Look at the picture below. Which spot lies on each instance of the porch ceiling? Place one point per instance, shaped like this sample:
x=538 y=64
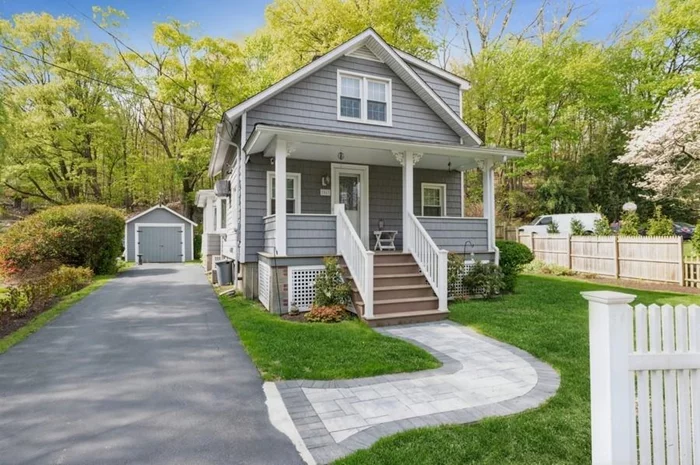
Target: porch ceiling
x=325 y=146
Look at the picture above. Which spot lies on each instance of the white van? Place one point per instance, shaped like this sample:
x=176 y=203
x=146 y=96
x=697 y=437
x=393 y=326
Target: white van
x=540 y=224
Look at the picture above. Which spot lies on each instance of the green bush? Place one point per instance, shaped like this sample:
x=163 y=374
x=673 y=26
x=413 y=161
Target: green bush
x=553 y=228
x=455 y=269
x=330 y=314
x=14 y=301
x=484 y=279
x=331 y=290
x=513 y=256
x=629 y=225
x=601 y=226
x=67 y=279
x=540 y=267
x=82 y=235
x=577 y=228
x=659 y=224
x=695 y=240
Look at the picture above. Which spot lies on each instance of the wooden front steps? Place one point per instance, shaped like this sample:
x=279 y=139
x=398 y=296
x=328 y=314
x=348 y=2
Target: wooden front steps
x=401 y=293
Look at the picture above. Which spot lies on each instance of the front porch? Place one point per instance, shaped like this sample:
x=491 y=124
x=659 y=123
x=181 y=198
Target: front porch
x=341 y=190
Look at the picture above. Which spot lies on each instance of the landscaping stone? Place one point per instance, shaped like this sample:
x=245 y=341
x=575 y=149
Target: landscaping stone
x=480 y=377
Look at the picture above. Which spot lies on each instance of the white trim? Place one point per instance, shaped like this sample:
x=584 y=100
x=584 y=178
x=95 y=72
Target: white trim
x=163 y=207
x=357 y=54
x=443 y=194
x=126 y=243
x=364 y=80
x=192 y=246
x=221 y=228
x=162 y=225
x=290 y=282
x=297 y=192
x=436 y=70
x=363 y=171
x=371 y=39
x=239 y=253
x=461 y=188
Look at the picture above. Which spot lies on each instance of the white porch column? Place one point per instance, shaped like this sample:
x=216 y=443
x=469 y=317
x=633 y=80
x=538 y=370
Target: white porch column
x=407 y=195
x=489 y=198
x=281 y=196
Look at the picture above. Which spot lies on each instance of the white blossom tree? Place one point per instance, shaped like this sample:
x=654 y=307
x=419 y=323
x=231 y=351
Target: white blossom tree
x=670 y=148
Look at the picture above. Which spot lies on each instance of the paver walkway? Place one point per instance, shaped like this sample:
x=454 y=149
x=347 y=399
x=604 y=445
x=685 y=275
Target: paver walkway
x=145 y=370
x=480 y=377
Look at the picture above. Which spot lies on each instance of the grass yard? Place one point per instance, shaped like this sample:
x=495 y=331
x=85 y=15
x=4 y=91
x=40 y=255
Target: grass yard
x=548 y=318
x=289 y=350
x=50 y=314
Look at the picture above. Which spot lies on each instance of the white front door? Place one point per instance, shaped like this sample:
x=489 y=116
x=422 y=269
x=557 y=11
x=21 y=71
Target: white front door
x=349 y=186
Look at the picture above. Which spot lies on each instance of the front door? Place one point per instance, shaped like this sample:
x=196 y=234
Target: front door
x=349 y=187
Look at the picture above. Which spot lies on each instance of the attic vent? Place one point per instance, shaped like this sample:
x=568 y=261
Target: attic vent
x=365 y=54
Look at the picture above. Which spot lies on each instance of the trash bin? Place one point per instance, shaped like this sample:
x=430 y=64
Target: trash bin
x=223 y=272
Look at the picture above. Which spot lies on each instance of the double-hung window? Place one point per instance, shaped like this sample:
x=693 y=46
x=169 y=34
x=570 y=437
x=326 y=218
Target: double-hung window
x=433 y=199
x=223 y=211
x=293 y=193
x=365 y=99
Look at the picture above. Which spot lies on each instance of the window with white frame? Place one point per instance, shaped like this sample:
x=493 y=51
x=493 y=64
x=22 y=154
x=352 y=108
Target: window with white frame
x=214 y=215
x=293 y=192
x=433 y=199
x=364 y=98
x=223 y=211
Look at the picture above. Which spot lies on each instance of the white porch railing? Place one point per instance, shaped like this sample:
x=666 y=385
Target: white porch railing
x=431 y=260
x=359 y=261
x=645 y=381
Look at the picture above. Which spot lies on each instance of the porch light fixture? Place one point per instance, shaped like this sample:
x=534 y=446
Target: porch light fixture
x=325 y=180
x=341 y=156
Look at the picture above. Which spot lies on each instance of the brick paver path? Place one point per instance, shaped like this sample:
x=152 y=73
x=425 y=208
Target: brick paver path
x=480 y=377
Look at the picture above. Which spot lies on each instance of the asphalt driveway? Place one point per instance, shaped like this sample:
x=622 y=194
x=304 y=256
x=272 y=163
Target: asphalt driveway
x=146 y=370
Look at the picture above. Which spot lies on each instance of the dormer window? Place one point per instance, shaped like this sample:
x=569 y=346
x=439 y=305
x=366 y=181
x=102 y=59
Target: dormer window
x=363 y=98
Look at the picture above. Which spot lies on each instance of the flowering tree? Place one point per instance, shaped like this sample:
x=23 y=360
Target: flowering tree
x=670 y=148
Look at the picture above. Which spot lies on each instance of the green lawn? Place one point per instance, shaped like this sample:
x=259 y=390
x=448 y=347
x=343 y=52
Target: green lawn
x=49 y=315
x=546 y=317
x=290 y=350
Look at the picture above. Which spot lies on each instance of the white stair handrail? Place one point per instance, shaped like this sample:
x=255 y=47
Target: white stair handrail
x=360 y=262
x=430 y=258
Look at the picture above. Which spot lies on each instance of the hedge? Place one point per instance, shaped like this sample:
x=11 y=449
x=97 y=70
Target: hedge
x=82 y=235
x=513 y=256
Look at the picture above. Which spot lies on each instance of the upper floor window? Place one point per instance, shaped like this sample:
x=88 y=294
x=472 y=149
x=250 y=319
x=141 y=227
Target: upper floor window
x=363 y=98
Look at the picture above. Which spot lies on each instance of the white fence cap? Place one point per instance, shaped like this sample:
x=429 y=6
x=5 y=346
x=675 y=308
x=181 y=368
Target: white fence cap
x=608 y=297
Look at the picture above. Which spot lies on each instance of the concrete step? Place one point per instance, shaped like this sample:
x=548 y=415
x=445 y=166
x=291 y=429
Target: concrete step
x=405 y=318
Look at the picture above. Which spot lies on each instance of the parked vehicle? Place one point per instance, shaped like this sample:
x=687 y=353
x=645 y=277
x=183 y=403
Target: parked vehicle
x=685 y=230
x=540 y=224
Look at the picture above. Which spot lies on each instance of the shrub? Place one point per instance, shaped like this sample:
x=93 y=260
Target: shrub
x=77 y=235
x=327 y=314
x=659 y=224
x=331 y=290
x=577 y=228
x=455 y=270
x=66 y=279
x=553 y=228
x=540 y=267
x=484 y=279
x=14 y=301
x=513 y=256
x=629 y=225
x=601 y=226
x=695 y=240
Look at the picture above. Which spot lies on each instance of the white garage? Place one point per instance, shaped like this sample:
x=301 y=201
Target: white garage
x=159 y=235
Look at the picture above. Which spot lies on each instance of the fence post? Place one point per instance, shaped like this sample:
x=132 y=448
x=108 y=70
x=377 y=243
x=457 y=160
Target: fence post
x=681 y=278
x=532 y=243
x=613 y=420
x=616 y=256
x=568 y=252
x=442 y=280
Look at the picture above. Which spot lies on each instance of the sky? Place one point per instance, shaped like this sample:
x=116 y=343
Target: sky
x=234 y=19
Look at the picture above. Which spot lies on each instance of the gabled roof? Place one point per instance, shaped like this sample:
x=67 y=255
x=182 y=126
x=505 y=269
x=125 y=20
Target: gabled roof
x=431 y=68
x=370 y=39
x=162 y=207
x=202 y=195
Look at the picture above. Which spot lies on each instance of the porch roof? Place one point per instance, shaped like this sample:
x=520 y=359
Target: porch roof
x=326 y=145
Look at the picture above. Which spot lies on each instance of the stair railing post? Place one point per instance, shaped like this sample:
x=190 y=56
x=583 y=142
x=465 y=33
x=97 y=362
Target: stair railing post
x=442 y=280
x=369 y=284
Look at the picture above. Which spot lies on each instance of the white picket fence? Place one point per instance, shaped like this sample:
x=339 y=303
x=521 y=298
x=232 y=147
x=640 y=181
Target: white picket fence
x=645 y=381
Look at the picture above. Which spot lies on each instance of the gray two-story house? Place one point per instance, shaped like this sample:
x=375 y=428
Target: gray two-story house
x=359 y=154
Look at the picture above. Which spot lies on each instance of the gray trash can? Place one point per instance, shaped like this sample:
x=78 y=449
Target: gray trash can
x=223 y=272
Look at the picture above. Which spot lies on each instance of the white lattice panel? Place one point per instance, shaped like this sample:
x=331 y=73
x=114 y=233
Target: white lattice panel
x=302 y=282
x=264 y=284
x=459 y=292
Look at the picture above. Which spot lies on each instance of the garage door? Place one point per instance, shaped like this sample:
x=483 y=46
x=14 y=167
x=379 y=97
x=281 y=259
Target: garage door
x=160 y=244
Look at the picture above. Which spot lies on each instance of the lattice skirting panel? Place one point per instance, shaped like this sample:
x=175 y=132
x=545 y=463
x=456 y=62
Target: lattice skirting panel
x=264 y=284
x=302 y=282
x=458 y=291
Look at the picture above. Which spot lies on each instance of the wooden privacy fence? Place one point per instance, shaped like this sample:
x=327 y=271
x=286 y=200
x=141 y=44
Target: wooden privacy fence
x=658 y=258
x=691 y=272
x=505 y=232
x=645 y=381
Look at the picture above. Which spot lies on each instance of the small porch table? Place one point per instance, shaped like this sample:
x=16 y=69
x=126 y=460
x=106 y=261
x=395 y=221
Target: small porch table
x=385 y=240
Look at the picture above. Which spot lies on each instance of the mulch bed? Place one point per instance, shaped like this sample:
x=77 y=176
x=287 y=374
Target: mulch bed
x=9 y=323
x=298 y=318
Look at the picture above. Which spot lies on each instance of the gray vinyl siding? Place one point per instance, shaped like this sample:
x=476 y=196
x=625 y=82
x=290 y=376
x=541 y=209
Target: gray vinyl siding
x=385 y=199
x=312 y=104
x=446 y=90
x=452 y=233
x=159 y=216
x=311 y=235
x=269 y=227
